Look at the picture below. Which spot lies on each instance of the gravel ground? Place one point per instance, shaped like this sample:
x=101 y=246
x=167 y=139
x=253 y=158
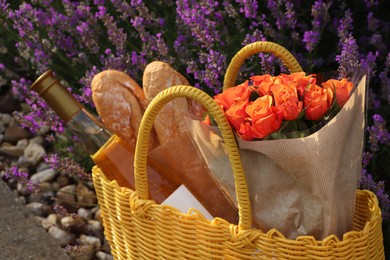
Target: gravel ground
x=21 y=235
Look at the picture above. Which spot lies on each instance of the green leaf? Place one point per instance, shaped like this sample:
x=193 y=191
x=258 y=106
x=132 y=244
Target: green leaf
x=302 y=113
x=277 y=136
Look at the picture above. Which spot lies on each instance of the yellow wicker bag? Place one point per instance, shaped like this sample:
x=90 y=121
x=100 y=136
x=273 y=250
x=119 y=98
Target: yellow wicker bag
x=139 y=228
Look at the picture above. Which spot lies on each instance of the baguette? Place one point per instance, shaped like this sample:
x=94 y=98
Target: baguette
x=120 y=102
x=176 y=150
x=169 y=123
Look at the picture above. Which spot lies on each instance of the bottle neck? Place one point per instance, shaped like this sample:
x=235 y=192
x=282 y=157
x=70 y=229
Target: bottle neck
x=89 y=130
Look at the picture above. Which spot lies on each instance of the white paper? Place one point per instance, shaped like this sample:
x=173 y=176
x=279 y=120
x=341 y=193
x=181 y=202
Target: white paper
x=183 y=200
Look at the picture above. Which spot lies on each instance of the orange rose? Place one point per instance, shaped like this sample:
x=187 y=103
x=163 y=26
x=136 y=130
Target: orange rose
x=343 y=89
x=262 y=84
x=264 y=117
x=231 y=95
x=301 y=81
x=317 y=100
x=286 y=99
x=248 y=132
x=236 y=114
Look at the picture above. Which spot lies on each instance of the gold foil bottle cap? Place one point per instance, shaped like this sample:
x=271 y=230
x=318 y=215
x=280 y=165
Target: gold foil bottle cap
x=56 y=96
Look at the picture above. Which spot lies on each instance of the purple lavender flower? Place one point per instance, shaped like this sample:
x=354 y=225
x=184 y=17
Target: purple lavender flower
x=368 y=64
x=311 y=39
x=62 y=211
x=291 y=21
x=248 y=8
x=215 y=63
x=4 y=6
x=348 y=59
x=319 y=12
x=371 y=3
x=385 y=80
x=14 y=174
x=255 y=36
x=66 y=166
x=40 y=115
x=195 y=16
x=30 y=46
x=367 y=182
x=231 y=12
x=275 y=8
x=378 y=133
x=345 y=27
x=372 y=22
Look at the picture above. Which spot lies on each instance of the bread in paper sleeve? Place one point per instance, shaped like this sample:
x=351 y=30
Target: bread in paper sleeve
x=176 y=149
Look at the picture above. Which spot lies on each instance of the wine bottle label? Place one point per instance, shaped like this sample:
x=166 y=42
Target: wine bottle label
x=183 y=200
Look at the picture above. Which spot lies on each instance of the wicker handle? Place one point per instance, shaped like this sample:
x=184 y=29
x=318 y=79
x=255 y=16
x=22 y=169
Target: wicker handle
x=141 y=179
x=232 y=71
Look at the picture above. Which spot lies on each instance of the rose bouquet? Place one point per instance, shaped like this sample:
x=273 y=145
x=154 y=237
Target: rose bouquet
x=282 y=106
x=300 y=138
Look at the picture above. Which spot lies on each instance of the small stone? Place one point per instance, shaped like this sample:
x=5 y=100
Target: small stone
x=34 y=197
x=63 y=237
x=44 y=130
x=95 y=225
x=84 y=213
x=50 y=221
x=45 y=186
x=11 y=150
x=94 y=210
x=22 y=189
x=106 y=245
x=44 y=176
x=39 y=219
x=42 y=166
x=37 y=140
x=21 y=200
x=98 y=216
x=67 y=194
x=22 y=161
x=85 y=195
x=90 y=240
x=8 y=104
x=34 y=153
x=55 y=185
x=6 y=119
x=70 y=222
x=36 y=208
x=48 y=196
x=103 y=256
x=15 y=150
x=94 y=228
x=2 y=127
x=63 y=180
x=81 y=252
x=15 y=133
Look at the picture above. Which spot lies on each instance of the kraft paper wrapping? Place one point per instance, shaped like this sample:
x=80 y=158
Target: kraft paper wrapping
x=301 y=186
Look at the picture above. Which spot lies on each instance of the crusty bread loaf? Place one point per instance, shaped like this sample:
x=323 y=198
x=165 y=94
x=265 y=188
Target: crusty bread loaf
x=120 y=102
x=157 y=77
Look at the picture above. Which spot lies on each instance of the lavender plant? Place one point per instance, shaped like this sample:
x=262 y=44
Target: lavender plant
x=78 y=39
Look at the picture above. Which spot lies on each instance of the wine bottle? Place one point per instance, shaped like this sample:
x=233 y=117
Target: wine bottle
x=114 y=156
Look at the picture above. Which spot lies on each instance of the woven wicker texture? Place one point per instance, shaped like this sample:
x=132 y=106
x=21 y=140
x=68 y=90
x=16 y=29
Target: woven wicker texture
x=138 y=228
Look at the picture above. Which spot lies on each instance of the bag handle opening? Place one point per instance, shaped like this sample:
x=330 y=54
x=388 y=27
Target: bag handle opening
x=263 y=46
